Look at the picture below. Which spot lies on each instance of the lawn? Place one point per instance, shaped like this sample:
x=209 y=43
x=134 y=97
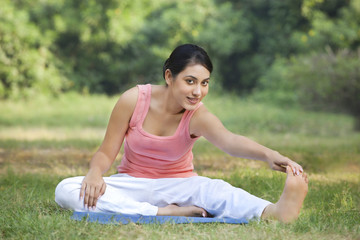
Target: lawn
x=45 y=140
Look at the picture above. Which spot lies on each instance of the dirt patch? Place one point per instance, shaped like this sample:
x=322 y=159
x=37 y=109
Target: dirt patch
x=43 y=133
x=72 y=162
x=51 y=161
x=223 y=165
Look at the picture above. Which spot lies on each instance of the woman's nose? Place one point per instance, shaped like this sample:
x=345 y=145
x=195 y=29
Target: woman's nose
x=197 y=91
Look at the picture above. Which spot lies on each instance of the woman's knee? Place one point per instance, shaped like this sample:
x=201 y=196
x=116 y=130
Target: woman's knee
x=67 y=193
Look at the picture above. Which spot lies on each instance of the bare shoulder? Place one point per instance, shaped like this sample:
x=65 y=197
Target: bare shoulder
x=201 y=113
x=128 y=99
x=125 y=106
x=202 y=121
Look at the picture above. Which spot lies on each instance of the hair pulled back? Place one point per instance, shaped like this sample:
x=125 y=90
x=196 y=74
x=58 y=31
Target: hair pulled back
x=184 y=55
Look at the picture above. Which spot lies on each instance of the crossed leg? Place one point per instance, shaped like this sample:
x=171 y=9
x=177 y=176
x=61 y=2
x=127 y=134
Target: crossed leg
x=116 y=198
x=174 y=210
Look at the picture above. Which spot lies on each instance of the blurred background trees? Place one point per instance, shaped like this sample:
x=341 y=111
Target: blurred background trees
x=286 y=51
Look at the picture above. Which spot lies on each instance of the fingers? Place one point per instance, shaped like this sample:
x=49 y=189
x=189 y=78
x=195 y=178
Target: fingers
x=279 y=168
x=290 y=167
x=91 y=194
x=86 y=196
x=82 y=190
x=279 y=162
x=289 y=170
x=102 y=190
x=91 y=197
x=295 y=167
x=98 y=193
x=84 y=193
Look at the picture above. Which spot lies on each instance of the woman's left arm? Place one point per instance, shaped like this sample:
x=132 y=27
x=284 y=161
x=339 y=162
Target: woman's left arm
x=206 y=124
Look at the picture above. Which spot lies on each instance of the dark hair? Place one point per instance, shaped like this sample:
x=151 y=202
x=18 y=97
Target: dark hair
x=184 y=55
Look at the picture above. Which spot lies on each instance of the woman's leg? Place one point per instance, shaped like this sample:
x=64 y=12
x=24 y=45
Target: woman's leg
x=175 y=210
x=288 y=207
x=217 y=197
x=122 y=195
x=220 y=199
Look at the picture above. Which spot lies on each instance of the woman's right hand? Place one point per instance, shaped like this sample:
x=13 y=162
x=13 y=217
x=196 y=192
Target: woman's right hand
x=92 y=188
x=93 y=185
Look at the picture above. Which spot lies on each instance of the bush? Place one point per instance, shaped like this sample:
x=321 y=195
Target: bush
x=27 y=65
x=276 y=87
x=321 y=81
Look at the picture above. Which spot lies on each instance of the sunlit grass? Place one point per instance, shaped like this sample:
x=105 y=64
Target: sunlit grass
x=330 y=212
x=68 y=110
x=239 y=115
x=45 y=140
x=246 y=116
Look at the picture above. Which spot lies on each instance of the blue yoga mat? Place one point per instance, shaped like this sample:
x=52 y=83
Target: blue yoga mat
x=115 y=218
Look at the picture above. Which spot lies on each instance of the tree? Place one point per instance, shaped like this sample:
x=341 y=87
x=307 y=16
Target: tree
x=27 y=67
x=271 y=25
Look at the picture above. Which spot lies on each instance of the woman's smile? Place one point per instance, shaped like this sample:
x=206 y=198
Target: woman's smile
x=193 y=101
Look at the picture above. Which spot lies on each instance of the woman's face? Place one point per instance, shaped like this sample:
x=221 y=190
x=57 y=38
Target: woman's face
x=190 y=86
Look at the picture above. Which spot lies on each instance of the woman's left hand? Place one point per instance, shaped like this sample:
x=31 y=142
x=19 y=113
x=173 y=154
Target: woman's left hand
x=278 y=162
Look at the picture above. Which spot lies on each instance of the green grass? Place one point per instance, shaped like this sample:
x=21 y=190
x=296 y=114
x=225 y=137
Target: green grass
x=28 y=211
x=70 y=110
x=45 y=140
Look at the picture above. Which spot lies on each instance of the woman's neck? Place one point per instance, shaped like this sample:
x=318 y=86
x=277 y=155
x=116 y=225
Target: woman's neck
x=167 y=102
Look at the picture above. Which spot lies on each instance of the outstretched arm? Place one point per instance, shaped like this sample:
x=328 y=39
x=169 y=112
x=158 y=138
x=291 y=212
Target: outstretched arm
x=206 y=124
x=93 y=185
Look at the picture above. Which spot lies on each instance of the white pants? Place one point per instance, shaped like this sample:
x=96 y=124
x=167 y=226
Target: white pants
x=130 y=195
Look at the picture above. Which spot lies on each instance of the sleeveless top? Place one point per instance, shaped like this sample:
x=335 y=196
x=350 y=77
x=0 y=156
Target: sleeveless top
x=150 y=156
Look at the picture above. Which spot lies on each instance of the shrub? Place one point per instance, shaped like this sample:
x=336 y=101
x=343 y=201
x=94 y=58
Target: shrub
x=320 y=81
x=329 y=81
x=27 y=65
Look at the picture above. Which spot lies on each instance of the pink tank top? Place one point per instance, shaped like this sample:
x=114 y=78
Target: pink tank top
x=150 y=156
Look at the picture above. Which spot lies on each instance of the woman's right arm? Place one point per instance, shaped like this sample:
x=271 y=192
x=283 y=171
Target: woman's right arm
x=93 y=185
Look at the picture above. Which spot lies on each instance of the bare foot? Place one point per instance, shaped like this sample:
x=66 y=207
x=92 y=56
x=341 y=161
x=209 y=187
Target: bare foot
x=174 y=210
x=288 y=207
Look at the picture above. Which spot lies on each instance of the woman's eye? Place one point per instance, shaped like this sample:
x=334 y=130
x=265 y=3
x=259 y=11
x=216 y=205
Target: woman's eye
x=205 y=83
x=189 y=81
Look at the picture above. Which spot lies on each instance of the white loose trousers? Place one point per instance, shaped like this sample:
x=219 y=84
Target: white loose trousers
x=129 y=195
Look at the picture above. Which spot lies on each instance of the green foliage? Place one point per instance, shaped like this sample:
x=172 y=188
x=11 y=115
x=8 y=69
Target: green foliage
x=48 y=47
x=328 y=80
x=317 y=80
x=216 y=27
x=28 y=67
x=271 y=24
x=332 y=23
x=320 y=81
x=276 y=87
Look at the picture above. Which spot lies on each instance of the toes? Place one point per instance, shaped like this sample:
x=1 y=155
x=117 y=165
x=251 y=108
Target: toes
x=289 y=170
x=305 y=177
x=204 y=213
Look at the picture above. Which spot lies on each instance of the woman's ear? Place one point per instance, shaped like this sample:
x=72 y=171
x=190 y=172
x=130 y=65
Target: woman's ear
x=168 y=77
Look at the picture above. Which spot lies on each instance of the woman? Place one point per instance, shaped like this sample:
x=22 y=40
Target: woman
x=160 y=125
